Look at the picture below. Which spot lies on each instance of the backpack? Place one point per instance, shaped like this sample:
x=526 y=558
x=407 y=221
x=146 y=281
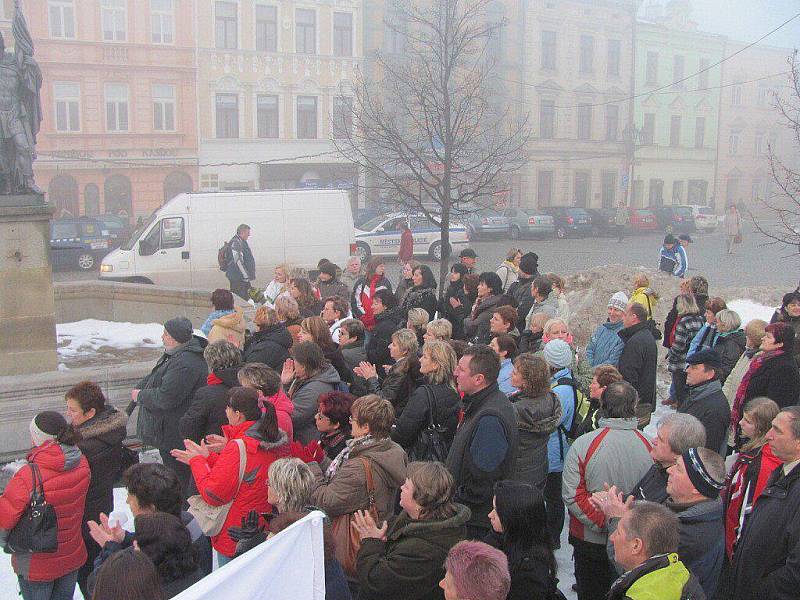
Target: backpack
x=580 y=406
x=224 y=256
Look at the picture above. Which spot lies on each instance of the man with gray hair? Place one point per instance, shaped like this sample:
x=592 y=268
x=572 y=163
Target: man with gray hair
x=241 y=267
x=766 y=561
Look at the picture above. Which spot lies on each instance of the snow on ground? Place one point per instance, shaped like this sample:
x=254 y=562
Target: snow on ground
x=749 y=310
x=89 y=335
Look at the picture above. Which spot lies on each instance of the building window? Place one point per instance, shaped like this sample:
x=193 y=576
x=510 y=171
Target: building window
x=306 y=117
x=266 y=28
x=609 y=189
x=614 y=55
x=547 y=119
x=763 y=94
x=164 y=107
x=651 y=68
x=733 y=143
x=582 y=187
x=648 y=129
x=585 y=64
x=394 y=35
x=756 y=190
x=699 y=132
x=696 y=192
x=736 y=95
x=162 y=21
x=549 y=50
x=227 y=109
x=267 y=115
x=677 y=192
x=612 y=122
x=305 y=31
x=342 y=124
x=116 y=107
x=758 y=144
x=62 y=19
x=584 y=121
x=702 y=81
x=656 y=197
x=342 y=34
x=67 y=98
x=544 y=188
x=678 y=71
x=226 y=25
x=675 y=131
x=113 y=16
x=732 y=190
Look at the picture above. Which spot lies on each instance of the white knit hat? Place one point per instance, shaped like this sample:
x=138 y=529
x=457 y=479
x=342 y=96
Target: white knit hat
x=618 y=301
x=558 y=354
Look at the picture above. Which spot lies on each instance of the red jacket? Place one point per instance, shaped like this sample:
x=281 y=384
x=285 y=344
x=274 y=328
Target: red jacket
x=65 y=472
x=406 y=251
x=283 y=409
x=746 y=481
x=217 y=477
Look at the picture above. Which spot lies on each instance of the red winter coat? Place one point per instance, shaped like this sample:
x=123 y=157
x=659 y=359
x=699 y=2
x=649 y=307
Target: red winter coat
x=217 y=477
x=406 y=251
x=746 y=481
x=65 y=472
x=283 y=410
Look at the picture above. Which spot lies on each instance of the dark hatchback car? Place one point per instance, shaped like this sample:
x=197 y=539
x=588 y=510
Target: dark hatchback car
x=118 y=229
x=569 y=220
x=603 y=220
x=79 y=242
x=675 y=219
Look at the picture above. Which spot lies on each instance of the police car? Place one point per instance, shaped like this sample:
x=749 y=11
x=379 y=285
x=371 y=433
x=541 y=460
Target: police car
x=381 y=236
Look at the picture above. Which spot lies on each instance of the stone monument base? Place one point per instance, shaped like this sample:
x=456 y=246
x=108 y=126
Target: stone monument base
x=27 y=310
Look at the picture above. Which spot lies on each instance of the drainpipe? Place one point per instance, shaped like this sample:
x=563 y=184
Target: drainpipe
x=717 y=201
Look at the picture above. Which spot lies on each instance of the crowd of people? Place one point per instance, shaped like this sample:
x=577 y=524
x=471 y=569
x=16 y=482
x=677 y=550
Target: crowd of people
x=449 y=442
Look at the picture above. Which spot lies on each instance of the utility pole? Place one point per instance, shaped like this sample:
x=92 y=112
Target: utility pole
x=630 y=141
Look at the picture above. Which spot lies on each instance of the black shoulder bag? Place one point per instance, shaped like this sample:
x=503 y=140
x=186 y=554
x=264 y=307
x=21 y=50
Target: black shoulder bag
x=37 y=529
x=431 y=445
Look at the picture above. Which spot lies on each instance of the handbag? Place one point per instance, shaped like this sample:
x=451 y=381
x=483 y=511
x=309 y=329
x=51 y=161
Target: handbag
x=431 y=444
x=347 y=540
x=212 y=518
x=37 y=529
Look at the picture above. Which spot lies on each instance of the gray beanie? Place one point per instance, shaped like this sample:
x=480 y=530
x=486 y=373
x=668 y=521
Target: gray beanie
x=180 y=328
x=558 y=354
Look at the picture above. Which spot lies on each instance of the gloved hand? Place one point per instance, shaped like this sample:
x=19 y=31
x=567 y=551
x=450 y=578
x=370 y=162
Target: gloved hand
x=251 y=527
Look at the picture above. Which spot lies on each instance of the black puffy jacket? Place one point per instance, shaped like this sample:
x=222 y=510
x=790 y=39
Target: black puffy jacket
x=417 y=415
x=206 y=415
x=269 y=346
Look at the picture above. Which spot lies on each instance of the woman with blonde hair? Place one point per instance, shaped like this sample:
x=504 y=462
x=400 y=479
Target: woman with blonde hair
x=289 y=482
x=271 y=343
x=754 y=332
x=643 y=294
x=278 y=286
x=559 y=290
x=688 y=322
x=417 y=319
x=315 y=329
x=436 y=401
x=438 y=329
x=288 y=313
x=508 y=271
x=401 y=378
x=406 y=280
x=731 y=342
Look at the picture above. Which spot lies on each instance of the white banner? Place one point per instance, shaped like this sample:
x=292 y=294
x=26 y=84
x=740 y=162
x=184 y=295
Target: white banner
x=288 y=566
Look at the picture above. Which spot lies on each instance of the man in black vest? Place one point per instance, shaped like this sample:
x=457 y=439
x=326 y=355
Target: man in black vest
x=484 y=449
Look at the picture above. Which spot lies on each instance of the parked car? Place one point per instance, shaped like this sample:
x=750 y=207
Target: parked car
x=381 y=236
x=675 y=219
x=569 y=220
x=528 y=223
x=643 y=220
x=78 y=242
x=486 y=222
x=603 y=220
x=118 y=228
x=705 y=219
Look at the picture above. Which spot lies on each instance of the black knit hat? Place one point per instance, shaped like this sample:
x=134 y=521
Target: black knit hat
x=699 y=476
x=529 y=263
x=50 y=422
x=180 y=329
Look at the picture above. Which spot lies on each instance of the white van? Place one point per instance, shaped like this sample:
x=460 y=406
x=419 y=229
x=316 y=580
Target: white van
x=177 y=246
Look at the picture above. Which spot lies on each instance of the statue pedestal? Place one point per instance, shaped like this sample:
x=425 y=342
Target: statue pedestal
x=27 y=310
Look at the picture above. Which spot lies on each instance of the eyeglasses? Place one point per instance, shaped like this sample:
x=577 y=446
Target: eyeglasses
x=321 y=416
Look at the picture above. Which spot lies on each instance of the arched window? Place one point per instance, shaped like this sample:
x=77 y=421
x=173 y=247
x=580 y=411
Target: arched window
x=63 y=192
x=91 y=199
x=176 y=183
x=118 y=197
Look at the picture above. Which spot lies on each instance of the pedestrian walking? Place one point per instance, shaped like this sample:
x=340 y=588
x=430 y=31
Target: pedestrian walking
x=621 y=220
x=406 y=251
x=733 y=227
x=241 y=267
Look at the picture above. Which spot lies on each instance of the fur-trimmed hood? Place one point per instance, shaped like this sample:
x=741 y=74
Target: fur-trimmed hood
x=107 y=424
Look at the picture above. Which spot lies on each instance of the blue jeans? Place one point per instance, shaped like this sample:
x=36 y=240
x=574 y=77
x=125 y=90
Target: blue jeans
x=222 y=560
x=62 y=588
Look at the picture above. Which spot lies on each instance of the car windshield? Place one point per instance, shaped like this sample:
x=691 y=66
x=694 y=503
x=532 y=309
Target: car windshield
x=683 y=211
x=372 y=223
x=139 y=230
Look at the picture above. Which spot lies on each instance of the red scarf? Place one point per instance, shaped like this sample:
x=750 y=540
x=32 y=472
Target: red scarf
x=213 y=379
x=738 y=401
x=368 y=318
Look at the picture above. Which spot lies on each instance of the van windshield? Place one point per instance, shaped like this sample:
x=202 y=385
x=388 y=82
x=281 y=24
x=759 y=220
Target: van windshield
x=136 y=234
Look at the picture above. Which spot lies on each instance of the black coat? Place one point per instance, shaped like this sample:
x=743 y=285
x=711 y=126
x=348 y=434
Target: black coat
x=455 y=315
x=397 y=386
x=653 y=486
x=520 y=291
x=777 y=379
x=206 y=415
x=167 y=392
x=334 y=356
x=417 y=415
x=730 y=349
x=420 y=298
x=530 y=576
x=101 y=444
x=708 y=403
x=766 y=562
x=386 y=323
x=269 y=346
x=639 y=360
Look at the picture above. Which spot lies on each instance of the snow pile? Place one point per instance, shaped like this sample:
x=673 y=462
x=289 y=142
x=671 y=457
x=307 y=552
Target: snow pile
x=90 y=335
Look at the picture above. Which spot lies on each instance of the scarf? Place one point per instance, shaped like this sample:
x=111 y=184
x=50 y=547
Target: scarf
x=368 y=318
x=345 y=454
x=212 y=379
x=741 y=391
x=331 y=439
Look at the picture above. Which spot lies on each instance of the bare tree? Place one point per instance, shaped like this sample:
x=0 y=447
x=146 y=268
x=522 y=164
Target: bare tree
x=782 y=225
x=428 y=130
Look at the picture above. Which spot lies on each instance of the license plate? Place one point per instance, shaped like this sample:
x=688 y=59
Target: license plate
x=99 y=245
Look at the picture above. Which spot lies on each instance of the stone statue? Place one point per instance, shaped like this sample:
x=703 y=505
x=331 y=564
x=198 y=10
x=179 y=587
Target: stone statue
x=20 y=110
